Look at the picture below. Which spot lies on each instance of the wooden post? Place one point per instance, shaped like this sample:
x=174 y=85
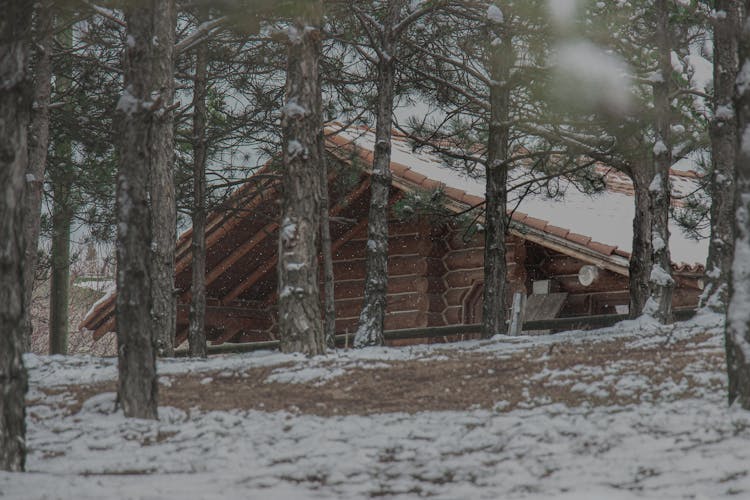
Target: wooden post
x=517 y=313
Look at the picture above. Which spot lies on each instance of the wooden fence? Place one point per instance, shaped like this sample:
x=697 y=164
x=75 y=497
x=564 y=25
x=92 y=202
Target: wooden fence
x=556 y=325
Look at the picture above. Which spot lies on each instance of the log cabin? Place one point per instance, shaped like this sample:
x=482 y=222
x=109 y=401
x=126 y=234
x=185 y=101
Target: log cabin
x=568 y=254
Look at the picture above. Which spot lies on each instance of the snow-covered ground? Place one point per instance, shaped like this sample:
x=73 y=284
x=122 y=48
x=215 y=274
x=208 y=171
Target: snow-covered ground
x=667 y=447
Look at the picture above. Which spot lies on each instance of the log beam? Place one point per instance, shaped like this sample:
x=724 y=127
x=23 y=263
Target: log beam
x=261 y=271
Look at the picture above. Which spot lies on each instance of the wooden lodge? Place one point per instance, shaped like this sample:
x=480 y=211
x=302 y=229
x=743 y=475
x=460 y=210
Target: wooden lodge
x=576 y=267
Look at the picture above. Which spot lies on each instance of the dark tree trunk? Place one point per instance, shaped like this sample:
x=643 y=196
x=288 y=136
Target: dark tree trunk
x=329 y=295
x=738 y=313
x=641 y=255
x=145 y=299
x=162 y=190
x=372 y=316
x=15 y=107
x=661 y=283
x=300 y=324
x=197 y=331
x=494 y=312
x=60 y=256
x=723 y=156
x=62 y=214
x=38 y=145
x=651 y=282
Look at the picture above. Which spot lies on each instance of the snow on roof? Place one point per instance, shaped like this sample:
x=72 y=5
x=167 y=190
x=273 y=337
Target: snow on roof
x=605 y=217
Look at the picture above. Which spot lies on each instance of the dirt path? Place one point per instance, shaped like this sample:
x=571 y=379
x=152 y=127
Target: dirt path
x=602 y=372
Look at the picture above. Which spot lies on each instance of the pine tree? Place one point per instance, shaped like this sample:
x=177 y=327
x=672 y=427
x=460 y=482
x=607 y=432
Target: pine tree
x=485 y=91
x=738 y=312
x=38 y=145
x=383 y=25
x=384 y=38
x=197 y=333
x=145 y=205
x=723 y=131
x=15 y=107
x=62 y=175
x=641 y=126
x=300 y=325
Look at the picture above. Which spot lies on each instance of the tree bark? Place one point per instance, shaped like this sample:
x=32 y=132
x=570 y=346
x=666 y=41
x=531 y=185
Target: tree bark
x=372 y=317
x=15 y=107
x=494 y=313
x=738 y=314
x=661 y=283
x=164 y=213
x=300 y=324
x=38 y=140
x=62 y=213
x=723 y=132
x=145 y=205
x=641 y=255
x=329 y=290
x=197 y=328
x=60 y=257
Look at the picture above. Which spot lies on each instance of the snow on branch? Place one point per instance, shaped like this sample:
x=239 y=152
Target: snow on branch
x=200 y=34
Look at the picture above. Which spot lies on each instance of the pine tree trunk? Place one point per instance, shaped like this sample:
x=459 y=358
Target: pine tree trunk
x=329 y=295
x=723 y=153
x=661 y=283
x=62 y=214
x=300 y=324
x=60 y=257
x=164 y=213
x=641 y=254
x=15 y=106
x=372 y=316
x=145 y=299
x=38 y=145
x=738 y=313
x=197 y=328
x=494 y=313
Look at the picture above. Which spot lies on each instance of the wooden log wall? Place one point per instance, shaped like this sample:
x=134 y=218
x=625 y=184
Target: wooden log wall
x=415 y=288
x=435 y=279
x=605 y=293
x=464 y=276
x=242 y=321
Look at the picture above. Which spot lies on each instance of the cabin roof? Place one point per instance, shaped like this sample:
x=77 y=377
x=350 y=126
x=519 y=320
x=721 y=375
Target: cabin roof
x=600 y=222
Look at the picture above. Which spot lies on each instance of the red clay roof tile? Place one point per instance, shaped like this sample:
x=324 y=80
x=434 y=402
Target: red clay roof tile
x=431 y=185
x=536 y=223
x=415 y=177
x=601 y=248
x=519 y=216
x=453 y=193
x=399 y=169
x=557 y=231
x=472 y=200
x=578 y=238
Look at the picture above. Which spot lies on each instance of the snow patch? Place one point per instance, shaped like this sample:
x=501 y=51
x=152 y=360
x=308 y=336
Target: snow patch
x=494 y=14
x=588 y=75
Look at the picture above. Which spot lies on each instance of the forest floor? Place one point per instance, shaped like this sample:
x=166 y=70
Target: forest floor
x=632 y=411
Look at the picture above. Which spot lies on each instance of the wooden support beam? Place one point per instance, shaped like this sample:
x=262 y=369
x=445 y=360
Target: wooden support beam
x=182 y=335
x=246 y=247
x=105 y=328
x=238 y=253
x=220 y=316
x=221 y=226
x=230 y=331
x=218 y=227
x=270 y=264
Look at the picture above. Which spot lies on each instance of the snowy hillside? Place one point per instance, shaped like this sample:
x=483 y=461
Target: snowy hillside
x=634 y=411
